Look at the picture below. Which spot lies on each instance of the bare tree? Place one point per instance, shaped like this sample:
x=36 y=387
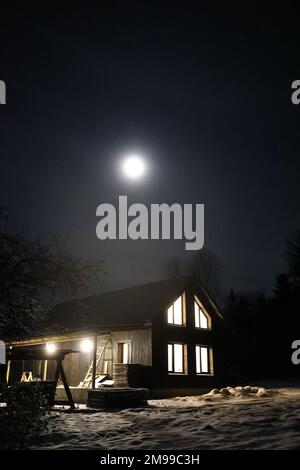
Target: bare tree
x=175 y=267
x=204 y=264
x=35 y=273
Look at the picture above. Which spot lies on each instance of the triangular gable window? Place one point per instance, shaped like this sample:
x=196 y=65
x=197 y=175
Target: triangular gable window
x=175 y=312
x=202 y=319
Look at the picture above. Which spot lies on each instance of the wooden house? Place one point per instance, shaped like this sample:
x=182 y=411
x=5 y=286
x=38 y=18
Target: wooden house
x=168 y=336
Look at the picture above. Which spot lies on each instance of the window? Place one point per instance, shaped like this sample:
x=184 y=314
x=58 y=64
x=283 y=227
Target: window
x=176 y=358
x=203 y=360
x=175 y=312
x=202 y=320
x=124 y=351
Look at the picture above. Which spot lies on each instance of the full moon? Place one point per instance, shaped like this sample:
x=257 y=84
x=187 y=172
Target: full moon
x=134 y=167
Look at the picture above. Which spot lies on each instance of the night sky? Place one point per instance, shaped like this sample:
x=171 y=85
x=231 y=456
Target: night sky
x=205 y=95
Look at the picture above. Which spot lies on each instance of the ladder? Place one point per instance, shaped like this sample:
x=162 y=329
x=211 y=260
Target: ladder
x=87 y=381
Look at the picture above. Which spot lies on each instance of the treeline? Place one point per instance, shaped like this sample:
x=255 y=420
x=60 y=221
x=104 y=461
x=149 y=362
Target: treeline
x=267 y=326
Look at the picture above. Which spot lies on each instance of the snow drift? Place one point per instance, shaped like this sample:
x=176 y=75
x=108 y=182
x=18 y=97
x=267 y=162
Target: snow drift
x=229 y=418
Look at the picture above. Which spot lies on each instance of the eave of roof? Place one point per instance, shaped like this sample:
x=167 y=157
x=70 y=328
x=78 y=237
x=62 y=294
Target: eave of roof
x=77 y=333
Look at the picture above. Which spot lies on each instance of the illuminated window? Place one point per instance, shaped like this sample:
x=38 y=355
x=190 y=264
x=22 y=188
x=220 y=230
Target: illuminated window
x=124 y=353
x=176 y=358
x=203 y=360
x=202 y=320
x=175 y=312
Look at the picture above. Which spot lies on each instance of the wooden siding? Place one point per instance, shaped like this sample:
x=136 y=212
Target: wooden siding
x=77 y=364
x=141 y=345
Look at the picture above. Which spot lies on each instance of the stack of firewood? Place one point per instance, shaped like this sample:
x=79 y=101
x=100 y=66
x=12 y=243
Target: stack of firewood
x=128 y=375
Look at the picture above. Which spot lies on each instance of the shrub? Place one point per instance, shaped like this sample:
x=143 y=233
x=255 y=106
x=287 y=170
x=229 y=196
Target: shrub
x=25 y=415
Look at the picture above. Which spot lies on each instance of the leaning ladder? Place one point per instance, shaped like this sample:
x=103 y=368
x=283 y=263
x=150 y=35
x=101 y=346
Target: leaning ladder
x=87 y=381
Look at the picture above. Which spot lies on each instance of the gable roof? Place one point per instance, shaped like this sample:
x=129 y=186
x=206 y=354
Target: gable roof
x=135 y=305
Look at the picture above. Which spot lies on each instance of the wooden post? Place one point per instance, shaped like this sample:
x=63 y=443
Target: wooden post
x=8 y=372
x=45 y=369
x=56 y=376
x=67 y=389
x=60 y=372
x=57 y=370
x=94 y=362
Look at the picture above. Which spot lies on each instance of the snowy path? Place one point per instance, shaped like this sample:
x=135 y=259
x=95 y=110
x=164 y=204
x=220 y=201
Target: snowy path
x=239 y=421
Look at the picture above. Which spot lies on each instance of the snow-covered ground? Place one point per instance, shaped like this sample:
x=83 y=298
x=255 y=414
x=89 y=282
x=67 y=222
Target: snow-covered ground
x=231 y=418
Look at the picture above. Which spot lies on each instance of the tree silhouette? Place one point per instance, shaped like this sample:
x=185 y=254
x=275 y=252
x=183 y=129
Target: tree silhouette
x=292 y=255
x=204 y=264
x=36 y=273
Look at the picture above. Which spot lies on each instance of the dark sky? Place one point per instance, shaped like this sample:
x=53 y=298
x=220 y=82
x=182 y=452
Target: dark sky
x=205 y=94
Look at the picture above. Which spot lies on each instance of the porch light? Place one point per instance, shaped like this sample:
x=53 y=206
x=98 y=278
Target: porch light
x=86 y=345
x=51 y=347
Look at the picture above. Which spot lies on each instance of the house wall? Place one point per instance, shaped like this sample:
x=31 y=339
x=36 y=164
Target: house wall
x=163 y=333
x=76 y=365
x=141 y=345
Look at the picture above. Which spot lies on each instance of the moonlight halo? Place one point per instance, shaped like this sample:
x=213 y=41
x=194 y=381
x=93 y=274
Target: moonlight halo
x=134 y=167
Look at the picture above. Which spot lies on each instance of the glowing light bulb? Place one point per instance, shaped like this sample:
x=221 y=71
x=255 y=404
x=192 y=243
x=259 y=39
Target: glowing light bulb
x=86 y=345
x=51 y=347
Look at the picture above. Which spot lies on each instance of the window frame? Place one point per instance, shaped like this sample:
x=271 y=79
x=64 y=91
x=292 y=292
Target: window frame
x=121 y=344
x=203 y=310
x=210 y=361
x=183 y=312
x=184 y=358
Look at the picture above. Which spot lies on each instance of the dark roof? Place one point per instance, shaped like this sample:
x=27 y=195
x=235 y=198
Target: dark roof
x=134 y=305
